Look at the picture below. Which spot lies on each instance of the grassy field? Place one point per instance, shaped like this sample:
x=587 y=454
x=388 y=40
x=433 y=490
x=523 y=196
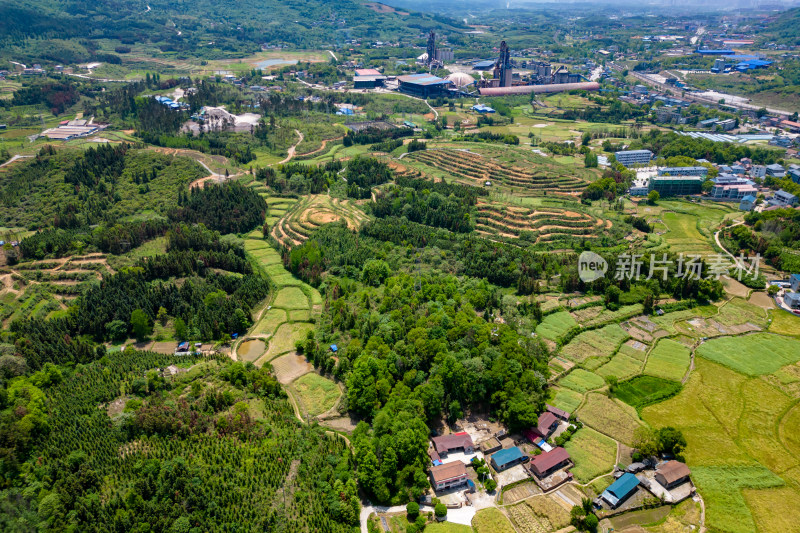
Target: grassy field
x=683 y=235
x=291 y=298
x=491 y=520
x=645 y=390
x=668 y=360
x=555 y=325
x=545 y=507
x=609 y=417
x=317 y=394
x=684 y=517
x=581 y=380
x=754 y=355
x=594 y=454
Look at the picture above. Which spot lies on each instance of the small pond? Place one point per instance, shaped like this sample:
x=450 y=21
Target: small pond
x=251 y=349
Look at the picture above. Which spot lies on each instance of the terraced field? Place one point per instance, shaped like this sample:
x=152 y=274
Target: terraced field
x=542 y=225
x=299 y=219
x=475 y=169
x=285 y=319
x=43 y=288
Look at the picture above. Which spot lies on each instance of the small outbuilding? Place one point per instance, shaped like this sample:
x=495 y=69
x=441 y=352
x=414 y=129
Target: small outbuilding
x=547 y=463
x=620 y=490
x=672 y=473
x=505 y=459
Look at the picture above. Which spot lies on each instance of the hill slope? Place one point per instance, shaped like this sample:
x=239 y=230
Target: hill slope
x=201 y=28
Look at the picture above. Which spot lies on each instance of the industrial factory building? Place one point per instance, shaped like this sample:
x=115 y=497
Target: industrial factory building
x=424 y=85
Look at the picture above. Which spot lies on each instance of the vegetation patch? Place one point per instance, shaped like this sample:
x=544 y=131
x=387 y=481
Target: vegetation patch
x=609 y=417
x=601 y=342
x=668 y=360
x=286 y=336
x=555 y=325
x=621 y=366
x=291 y=298
x=317 y=394
x=567 y=400
x=721 y=487
x=491 y=520
x=754 y=355
x=642 y=391
x=581 y=380
x=593 y=453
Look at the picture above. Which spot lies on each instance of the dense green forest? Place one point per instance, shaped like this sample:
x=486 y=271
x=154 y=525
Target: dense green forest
x=69 y=189
x=122 y=444
x=417 y=350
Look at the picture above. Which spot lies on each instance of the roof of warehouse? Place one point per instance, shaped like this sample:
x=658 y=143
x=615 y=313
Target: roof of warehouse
x=423 y=79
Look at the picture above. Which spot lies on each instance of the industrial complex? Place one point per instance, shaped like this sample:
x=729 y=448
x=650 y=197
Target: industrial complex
x=540 y=76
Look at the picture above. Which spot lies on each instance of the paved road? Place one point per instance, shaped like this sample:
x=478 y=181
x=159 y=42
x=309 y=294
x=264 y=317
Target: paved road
x=692 y=97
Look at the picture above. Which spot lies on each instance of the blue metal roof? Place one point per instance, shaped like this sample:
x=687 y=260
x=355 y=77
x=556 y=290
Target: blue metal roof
x=795 y=276
x=716 y=52
x=749 y=198
x=623 y=486
x=742 y=57
x=508 y=455
x=334 y=348
x=484 y=64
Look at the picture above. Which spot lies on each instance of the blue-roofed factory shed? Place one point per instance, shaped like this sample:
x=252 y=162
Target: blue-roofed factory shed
x=725 y=52
x=505 y=459
x=620 y=490
x=424 y=85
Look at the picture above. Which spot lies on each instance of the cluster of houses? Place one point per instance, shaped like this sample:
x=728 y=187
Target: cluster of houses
x=734 y=183
x=549 y=466
x=789 y=292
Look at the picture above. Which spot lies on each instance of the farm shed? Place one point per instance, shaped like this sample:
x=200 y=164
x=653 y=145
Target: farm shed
x=547 y=463
x=672 y=473
x=505 y=459
x=620 y=490
x=559 y=413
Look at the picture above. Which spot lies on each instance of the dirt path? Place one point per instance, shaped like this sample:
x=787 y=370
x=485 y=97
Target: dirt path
x=291 y=149
x=14 y=159
x=321 y=148
x=719 y=243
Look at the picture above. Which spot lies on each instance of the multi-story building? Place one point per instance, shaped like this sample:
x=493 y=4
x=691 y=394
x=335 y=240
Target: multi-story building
x=676 y=185
x=629 y=158
x=683 y=171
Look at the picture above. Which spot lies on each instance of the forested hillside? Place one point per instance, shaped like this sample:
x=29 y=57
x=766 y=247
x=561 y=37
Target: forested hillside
x=69 y=189
x=124 y=444
x=64 y=32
